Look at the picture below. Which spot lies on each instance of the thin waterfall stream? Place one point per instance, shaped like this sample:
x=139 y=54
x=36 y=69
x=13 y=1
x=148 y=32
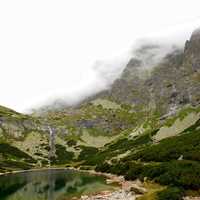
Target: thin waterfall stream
x=52 y=151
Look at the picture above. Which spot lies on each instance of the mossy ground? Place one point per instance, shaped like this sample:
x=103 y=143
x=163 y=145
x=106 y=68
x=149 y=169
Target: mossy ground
x=158 y=162
x=152 y=190
x=127 y=147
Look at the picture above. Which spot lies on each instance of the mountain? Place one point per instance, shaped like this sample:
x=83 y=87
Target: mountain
x=146 y=125
x=151 y=88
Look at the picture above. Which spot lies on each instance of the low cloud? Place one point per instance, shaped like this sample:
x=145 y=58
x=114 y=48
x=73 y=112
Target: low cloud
x=148 y=51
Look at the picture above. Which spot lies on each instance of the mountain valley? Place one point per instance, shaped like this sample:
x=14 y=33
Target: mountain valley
x=146 y=126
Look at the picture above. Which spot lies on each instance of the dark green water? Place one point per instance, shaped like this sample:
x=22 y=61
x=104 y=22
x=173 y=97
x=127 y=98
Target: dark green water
x=50 y=185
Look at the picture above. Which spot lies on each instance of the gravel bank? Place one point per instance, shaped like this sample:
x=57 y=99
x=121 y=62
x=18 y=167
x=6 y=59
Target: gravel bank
x=117 y=195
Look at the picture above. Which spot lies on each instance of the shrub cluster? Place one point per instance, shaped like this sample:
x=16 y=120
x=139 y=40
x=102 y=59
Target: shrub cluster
x=10 y=152
x=114 y=149
x=187 y=145
x=87 y=152
x=171 y=193
x=62 y=155
x=184 y=174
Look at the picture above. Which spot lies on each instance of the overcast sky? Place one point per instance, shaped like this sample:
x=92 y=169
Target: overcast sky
x=51 y=48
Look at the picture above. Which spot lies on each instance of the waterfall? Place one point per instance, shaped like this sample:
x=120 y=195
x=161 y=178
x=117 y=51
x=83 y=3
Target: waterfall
x=52 y=151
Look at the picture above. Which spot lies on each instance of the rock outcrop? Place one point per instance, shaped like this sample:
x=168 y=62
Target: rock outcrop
x=169 y=85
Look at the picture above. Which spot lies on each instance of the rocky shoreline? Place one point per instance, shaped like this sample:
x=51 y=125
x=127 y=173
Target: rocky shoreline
x=106 y=195
x=129 y=190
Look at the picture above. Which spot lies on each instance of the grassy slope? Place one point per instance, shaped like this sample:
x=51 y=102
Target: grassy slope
x=173 y=161
x=133 y=154
x=16 y=130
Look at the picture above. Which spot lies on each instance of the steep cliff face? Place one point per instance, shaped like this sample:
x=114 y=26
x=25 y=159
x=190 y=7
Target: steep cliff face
x=168 y=85
x=191 y=52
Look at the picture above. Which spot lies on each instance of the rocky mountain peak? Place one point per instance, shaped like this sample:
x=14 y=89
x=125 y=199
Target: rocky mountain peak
x=192 y=52
x=195 y=35
x=192 y=46
x=172 y=81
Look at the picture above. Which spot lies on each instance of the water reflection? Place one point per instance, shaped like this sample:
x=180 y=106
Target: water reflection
x=50 y=185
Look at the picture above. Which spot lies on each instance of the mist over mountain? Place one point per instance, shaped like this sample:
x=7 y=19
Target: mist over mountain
x=146 y=55
x=139 y=117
